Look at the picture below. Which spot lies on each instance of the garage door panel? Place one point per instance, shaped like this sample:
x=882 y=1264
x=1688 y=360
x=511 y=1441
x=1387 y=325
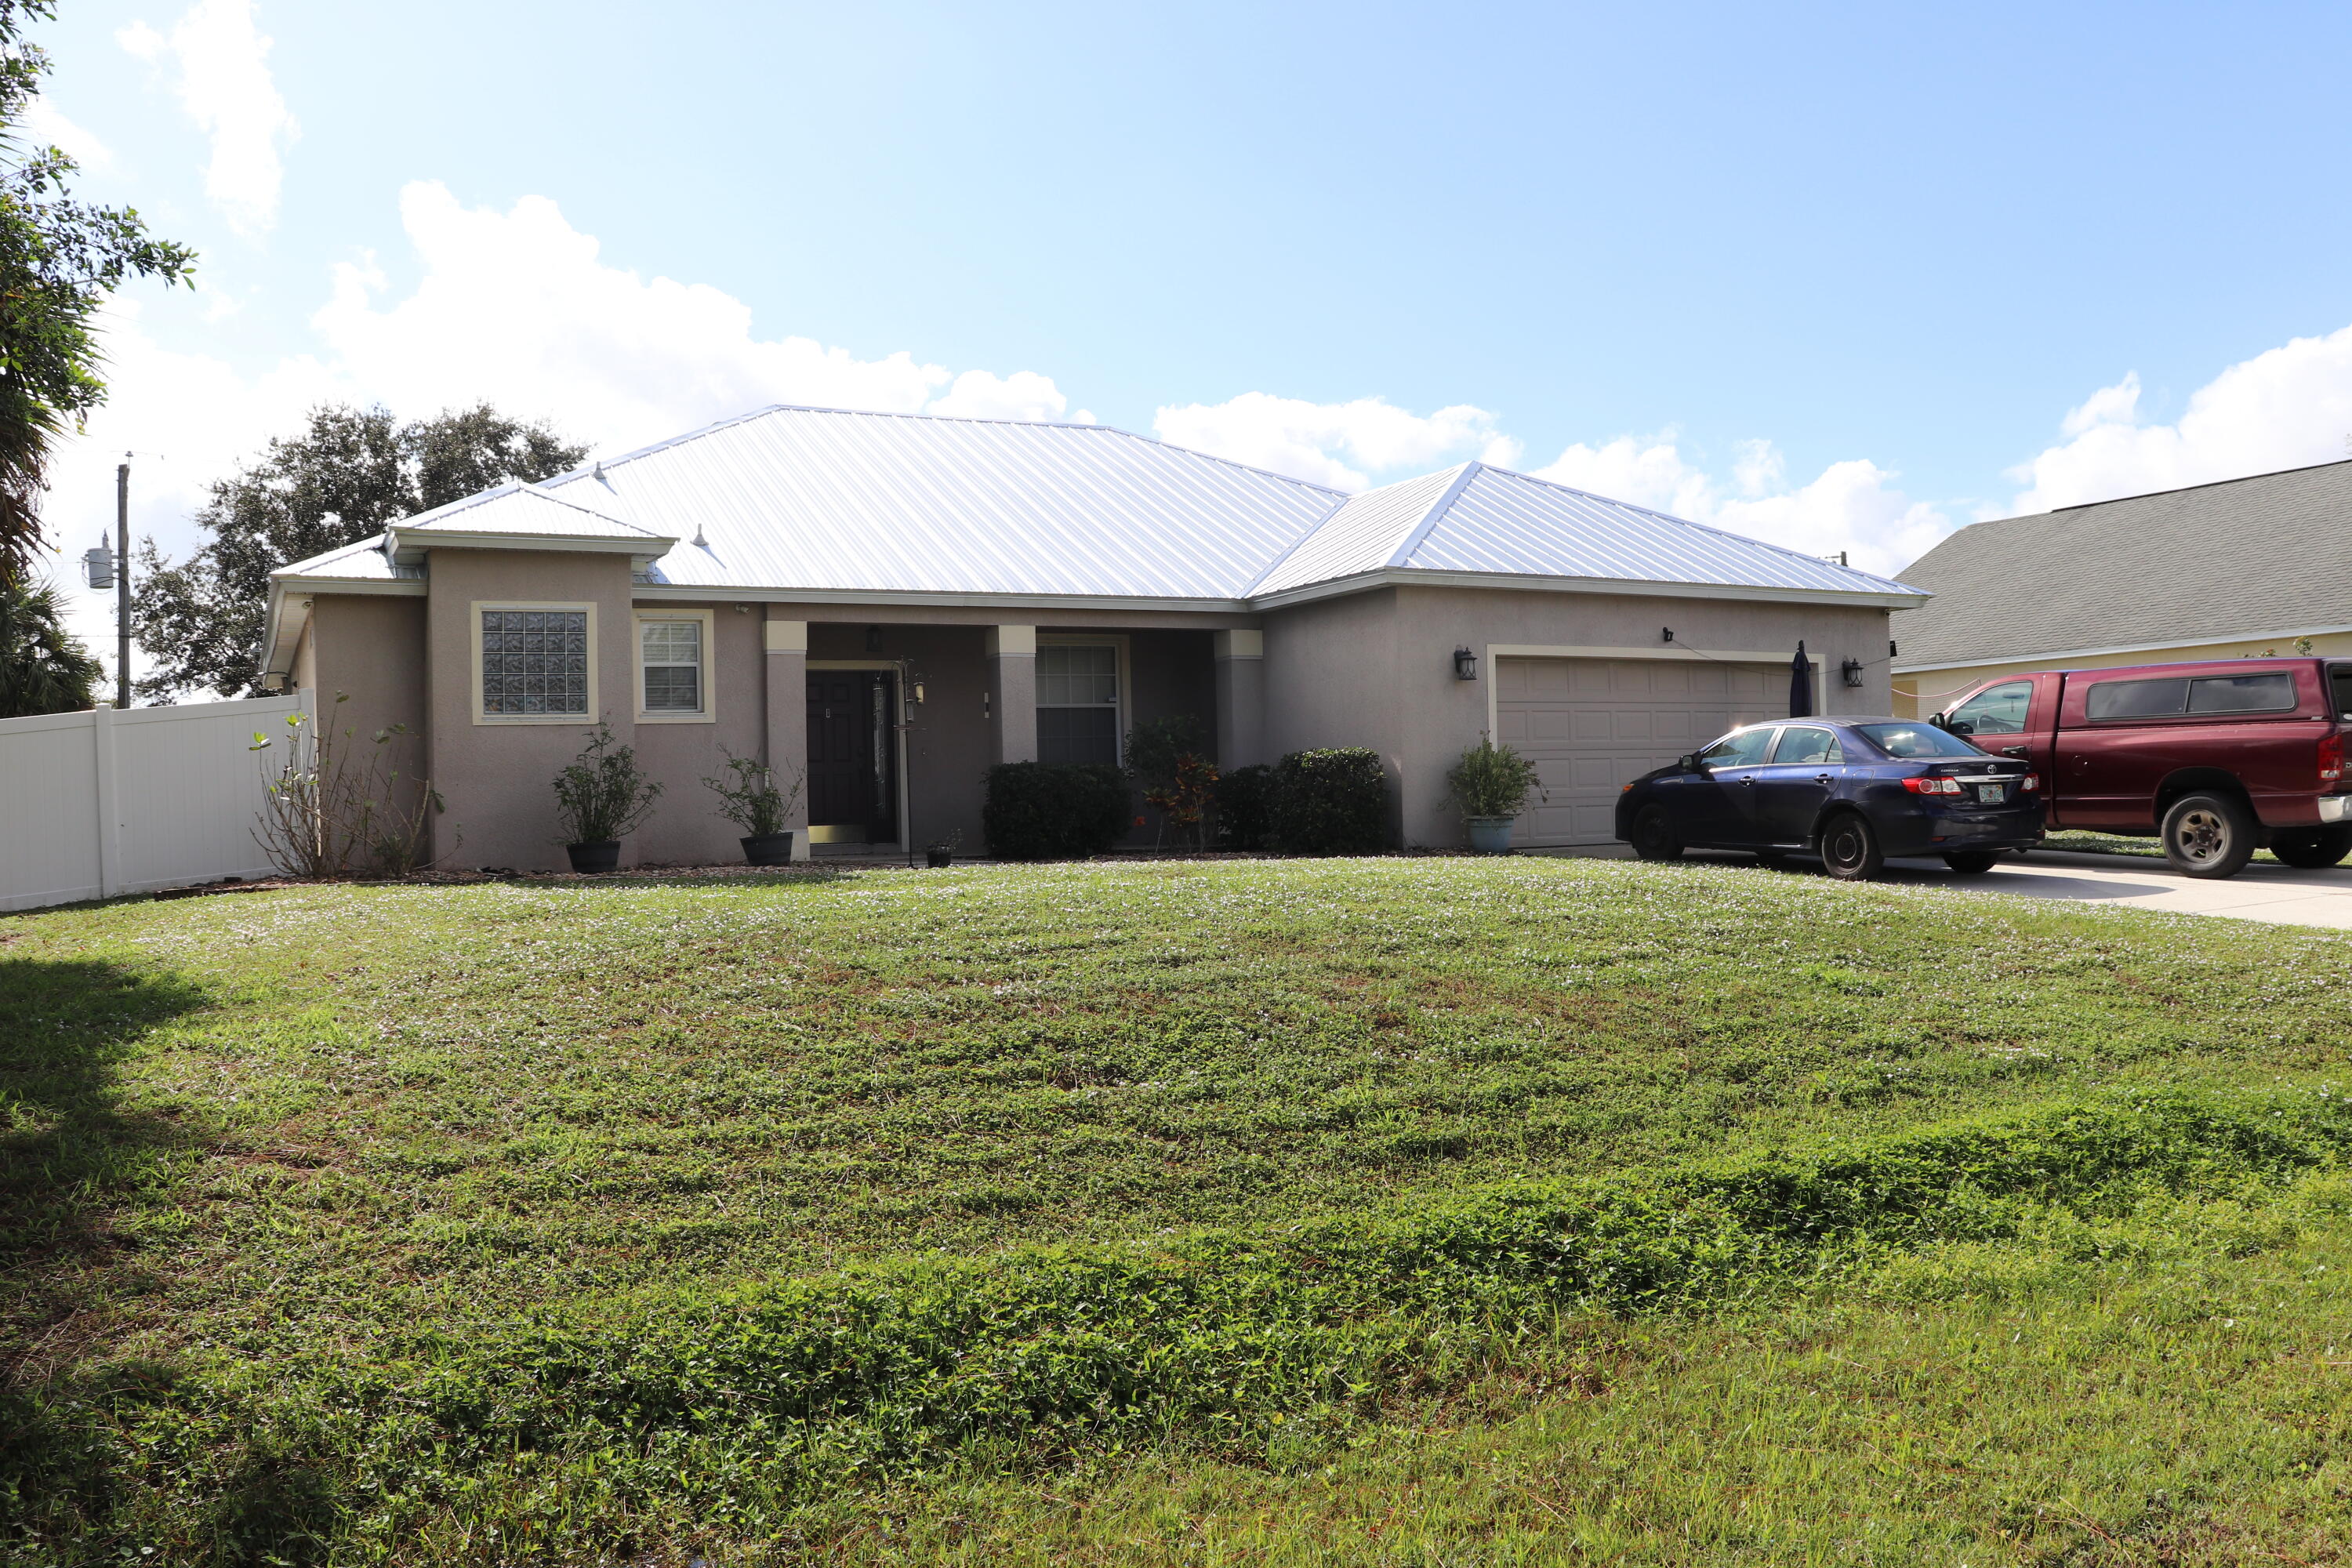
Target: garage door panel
x=1590 y=724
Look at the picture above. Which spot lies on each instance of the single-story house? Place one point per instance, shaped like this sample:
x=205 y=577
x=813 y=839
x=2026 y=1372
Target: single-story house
x=2235 y=568
x=888 y=603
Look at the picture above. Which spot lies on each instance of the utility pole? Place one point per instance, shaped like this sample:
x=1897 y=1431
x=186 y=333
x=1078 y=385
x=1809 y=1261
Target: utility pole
x=122 y=583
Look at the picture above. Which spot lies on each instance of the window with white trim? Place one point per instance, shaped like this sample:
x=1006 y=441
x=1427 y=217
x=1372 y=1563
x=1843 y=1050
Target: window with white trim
x=534 y=662
x=1077 y=702
x=672 y=655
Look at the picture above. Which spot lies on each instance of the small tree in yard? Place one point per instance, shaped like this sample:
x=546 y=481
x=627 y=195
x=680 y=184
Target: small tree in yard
x=335 y=812
x=603 y=796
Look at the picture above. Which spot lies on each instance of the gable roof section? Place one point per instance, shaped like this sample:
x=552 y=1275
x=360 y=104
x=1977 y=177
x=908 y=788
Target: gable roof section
x=2256 y=557
x=519 y=516
x=1488 y=522
x=829 y=500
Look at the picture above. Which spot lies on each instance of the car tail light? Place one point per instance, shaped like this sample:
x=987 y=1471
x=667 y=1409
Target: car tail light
x=1932 y=786
x=2331 y=758
x=2032 y=782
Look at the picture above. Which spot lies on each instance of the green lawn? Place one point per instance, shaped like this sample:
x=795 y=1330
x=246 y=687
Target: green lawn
x=1409 y=1210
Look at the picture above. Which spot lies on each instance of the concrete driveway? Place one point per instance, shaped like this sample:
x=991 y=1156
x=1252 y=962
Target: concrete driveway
x=2263 y=891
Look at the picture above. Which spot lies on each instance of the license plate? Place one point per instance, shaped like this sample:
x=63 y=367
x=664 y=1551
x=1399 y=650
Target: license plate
x=1993 y=794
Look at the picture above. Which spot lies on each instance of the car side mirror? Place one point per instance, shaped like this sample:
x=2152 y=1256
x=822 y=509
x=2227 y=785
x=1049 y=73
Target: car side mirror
x=1937 y=720
x=1961 y=727
x=1688 y=763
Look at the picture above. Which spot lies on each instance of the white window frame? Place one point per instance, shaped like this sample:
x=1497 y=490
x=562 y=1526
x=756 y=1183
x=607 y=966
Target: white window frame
x=708 y=712
x=1121 y=719
x=474 y=622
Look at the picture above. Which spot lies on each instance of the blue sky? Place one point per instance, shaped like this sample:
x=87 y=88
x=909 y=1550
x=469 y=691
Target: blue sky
x=1842 y=277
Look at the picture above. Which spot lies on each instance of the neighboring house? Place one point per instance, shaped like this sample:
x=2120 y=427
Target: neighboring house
x=2219 y=571
x=893 y=601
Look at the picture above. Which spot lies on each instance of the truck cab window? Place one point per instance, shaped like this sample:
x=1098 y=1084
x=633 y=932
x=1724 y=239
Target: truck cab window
x=1995 y=711
x=2339 y=683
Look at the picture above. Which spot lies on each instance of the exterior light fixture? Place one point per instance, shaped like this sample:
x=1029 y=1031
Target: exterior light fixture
x=919 y=691
x=873 y=639
x=1665 y=634
x=1851 y=670
x=1890 y=647
x=1465 y=665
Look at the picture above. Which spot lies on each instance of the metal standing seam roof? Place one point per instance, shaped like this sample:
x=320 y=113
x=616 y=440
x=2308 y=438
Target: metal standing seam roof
x=897 y=503
x=825 y=500
x=1492 y=521
x=2129 y=574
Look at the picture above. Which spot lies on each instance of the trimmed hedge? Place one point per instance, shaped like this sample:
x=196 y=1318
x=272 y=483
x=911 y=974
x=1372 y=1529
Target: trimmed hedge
x=1331 y=802
x=1245 y=808
x=1048 y=811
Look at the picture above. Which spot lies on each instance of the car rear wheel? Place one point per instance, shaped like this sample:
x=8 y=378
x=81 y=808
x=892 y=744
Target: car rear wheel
x=1653 y=835
x=2208 y=835
x=1850 y=849
x=2313 y=848
x=1971 y=862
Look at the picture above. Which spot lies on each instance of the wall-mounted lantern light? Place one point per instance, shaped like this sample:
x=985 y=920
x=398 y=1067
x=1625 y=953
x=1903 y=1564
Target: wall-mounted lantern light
x=1465 y=665
x=1851 y=670
x=1890 y=647
x=1665 y=634
x=919 y=691
x=873 y=639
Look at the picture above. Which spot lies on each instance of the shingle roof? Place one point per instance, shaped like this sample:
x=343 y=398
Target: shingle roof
x=2239 y=558
x=823 y=500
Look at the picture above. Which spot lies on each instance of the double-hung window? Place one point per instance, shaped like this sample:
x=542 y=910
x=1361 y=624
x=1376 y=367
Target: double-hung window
x=1077 y=702
x=536 y=663
x=673 y=665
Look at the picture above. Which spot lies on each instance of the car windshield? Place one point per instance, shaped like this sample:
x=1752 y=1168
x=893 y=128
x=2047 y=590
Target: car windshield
x=1916 y=740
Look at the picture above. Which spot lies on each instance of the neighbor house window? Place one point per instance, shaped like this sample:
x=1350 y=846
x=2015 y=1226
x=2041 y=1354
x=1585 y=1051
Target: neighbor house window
x=673 y=665
x=1077 y=702
x=535 y=663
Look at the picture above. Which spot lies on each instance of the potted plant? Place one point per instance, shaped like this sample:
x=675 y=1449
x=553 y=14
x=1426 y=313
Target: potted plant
x=750 y=799
x=1488 y=784
x=940 y=852
x=600 y=799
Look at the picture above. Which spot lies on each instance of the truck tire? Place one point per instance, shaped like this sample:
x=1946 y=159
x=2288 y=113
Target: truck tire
x=1850 y=850
x=2208 y=835
x=1654 y=834
x=2312 y=848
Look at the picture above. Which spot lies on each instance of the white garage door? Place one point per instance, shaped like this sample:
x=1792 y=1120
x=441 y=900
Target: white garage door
x=1590 y=724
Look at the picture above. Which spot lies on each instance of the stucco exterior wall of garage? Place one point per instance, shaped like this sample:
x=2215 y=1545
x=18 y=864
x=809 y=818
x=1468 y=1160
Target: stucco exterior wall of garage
x=369 y=648
x=497 y=777
x=1918 y=693
x=1377 y=669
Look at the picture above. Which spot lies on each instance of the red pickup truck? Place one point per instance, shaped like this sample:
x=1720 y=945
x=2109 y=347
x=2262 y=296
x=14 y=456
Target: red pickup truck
x=2217 y=760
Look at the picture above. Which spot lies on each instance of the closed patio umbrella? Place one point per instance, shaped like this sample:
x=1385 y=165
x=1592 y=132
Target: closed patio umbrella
x=1801 y=685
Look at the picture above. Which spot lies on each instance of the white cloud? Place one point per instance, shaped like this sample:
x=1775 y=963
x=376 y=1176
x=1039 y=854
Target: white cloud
x=1024 y=395
x=227 y=89
x=2281 y=409
x=1319 y=441
x=1851 y=506
x=46 y=126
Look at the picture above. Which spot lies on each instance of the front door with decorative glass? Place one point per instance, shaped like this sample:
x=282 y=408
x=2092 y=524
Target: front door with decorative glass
x=853 y=772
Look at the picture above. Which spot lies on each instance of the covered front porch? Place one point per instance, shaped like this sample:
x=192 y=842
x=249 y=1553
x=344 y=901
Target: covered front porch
x=892 y=724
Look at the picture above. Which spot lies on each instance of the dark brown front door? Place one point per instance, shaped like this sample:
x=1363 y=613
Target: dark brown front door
x=853 y=780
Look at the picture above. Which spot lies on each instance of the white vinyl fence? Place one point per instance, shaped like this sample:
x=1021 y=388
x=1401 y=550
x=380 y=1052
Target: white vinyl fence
x=95 y=804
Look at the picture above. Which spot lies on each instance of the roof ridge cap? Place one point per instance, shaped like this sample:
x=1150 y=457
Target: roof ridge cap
x=1418 y=534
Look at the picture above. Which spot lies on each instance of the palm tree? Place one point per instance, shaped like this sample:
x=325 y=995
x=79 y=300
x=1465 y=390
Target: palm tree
x=44 y=669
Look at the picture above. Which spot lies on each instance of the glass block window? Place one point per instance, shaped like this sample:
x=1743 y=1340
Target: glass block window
x=1077 y=702
x=535 y=661
x=673 y=663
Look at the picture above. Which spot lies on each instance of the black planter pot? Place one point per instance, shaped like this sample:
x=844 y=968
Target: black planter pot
x=598 y=855
x=937 y=856
x=768 y=849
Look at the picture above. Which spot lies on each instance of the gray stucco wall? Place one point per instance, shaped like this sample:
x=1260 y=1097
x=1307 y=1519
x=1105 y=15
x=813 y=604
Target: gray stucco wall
x=686 y=827
x=1377 y=670
x=497 y=778
x=369 y=648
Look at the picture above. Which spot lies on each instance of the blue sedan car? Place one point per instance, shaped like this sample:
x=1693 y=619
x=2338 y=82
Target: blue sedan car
x=1852 y=791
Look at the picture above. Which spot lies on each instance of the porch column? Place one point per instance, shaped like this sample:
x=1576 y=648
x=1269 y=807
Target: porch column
x=787 y=643
x=1241 y=699
x=1012 y=694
